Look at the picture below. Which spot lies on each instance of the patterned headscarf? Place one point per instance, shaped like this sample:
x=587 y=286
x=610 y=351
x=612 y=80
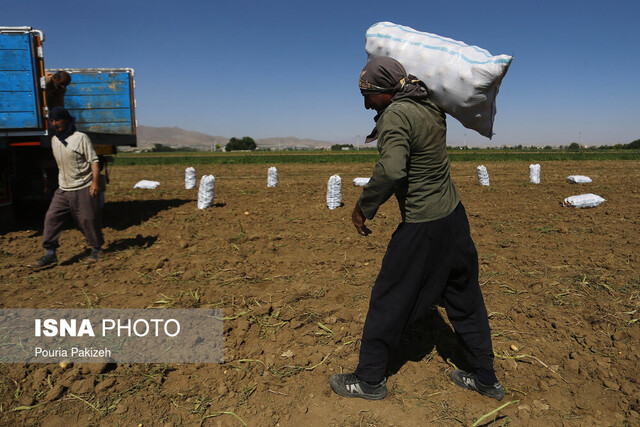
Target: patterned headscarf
x=386 y=75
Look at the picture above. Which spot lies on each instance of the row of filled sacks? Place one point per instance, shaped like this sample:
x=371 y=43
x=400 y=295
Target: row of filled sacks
x=588 y=200
x=190 y=178
x=206 y=190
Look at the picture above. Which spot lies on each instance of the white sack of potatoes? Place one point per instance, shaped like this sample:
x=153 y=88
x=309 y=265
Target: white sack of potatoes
x=206 y=191
x=334 y=192
x=578 y=179
x=148 y=185
x=360 y=182
x=534 y=174
x=463 y=80
x=272 y=177
x=189 y=178
x=483 y=175
x=583 y=201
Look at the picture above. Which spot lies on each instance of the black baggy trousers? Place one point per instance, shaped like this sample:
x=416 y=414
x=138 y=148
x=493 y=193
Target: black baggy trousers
x=424 y=262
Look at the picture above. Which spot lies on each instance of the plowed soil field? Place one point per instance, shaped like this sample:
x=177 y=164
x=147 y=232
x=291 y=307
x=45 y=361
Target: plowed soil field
x=561 y=285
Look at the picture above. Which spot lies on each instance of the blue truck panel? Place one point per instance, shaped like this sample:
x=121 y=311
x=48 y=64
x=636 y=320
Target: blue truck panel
x=16 y=40
x=15 y=60
x=109 y=129
x=91 y=101
x=19 y=102
x=106 y=115
x=102 y=101
x=15 y=82
x=12 y=120
x=100 y=89
x=101 y=77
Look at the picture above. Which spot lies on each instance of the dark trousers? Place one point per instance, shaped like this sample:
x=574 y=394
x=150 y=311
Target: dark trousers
x=78 y=206
x=423 y=263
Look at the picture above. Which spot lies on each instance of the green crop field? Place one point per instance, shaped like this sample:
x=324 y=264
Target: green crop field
x=365 y=156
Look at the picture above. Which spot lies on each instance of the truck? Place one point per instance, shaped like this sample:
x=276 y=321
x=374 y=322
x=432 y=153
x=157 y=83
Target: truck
x=101 y=99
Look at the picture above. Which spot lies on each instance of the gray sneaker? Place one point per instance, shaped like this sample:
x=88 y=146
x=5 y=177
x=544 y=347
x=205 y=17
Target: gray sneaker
x=348 y=385
x=470 y=381
x=94 y=256
x=47 y=259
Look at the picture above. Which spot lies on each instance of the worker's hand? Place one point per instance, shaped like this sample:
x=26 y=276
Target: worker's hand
x=358 y=219
x=94 y=190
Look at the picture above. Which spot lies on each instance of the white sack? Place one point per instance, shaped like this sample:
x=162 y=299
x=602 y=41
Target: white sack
x=462 y=80
x=149 y=185
x=206 y=191
x=578 y=179
x=334 y=192
x=534 y=174
x=272 y=177
x=483 y=175
x=190 y=178
x=583 y=201
x=360 y=182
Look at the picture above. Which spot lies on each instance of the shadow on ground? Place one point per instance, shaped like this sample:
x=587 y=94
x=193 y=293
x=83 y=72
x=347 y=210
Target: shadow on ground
x=137 y=242
x=122 y=215
x=422 y=337
x=117 y=215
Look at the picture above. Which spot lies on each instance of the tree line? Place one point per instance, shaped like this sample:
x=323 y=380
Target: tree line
x=244 y=144
x=247 y=143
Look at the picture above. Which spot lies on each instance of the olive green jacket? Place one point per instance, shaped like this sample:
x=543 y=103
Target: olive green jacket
x=413 y=163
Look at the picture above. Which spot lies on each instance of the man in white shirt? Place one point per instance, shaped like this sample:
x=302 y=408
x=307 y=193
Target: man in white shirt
x=77 y=197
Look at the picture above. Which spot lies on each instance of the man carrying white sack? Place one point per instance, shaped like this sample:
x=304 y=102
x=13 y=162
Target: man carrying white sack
x=431 y=255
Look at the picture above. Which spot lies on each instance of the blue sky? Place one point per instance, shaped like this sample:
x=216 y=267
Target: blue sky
x=289 y=68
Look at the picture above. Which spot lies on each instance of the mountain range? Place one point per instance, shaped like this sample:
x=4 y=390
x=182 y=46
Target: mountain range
x=177 y=137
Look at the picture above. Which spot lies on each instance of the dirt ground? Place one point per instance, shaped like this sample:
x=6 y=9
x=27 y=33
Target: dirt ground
x=562 y=286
